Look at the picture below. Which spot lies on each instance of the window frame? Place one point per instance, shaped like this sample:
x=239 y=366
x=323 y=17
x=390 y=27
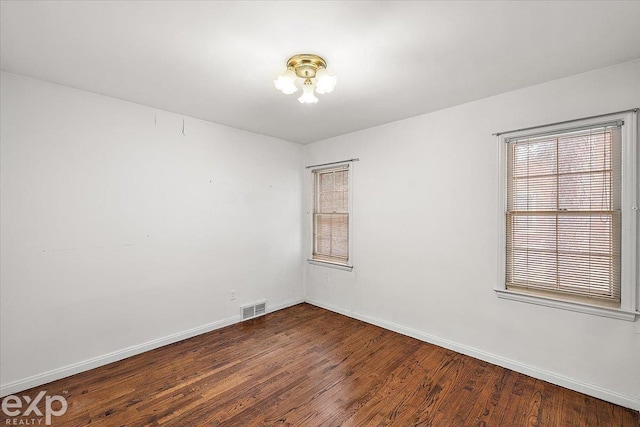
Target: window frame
x=347 y=265
x=629 y=210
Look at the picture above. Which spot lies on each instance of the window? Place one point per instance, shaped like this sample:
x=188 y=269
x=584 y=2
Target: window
x=331 y=220
x=569 y=228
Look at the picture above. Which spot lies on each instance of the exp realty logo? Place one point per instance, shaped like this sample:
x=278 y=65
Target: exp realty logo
x=25 y=412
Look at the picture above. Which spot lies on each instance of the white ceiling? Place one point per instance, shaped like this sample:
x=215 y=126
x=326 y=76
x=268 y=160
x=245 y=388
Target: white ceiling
x=217 y=60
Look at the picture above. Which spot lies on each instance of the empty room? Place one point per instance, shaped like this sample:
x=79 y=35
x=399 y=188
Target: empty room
x=319 y=213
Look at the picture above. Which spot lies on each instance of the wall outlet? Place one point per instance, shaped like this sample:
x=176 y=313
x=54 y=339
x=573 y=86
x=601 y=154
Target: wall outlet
x=232 y=295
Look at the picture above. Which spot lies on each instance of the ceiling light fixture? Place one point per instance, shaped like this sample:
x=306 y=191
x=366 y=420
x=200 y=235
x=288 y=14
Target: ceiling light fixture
x=307 y=67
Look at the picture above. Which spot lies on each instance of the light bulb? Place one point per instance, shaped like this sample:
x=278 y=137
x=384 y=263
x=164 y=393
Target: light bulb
x=307 y=96
x=324 y=81
x=285 y=82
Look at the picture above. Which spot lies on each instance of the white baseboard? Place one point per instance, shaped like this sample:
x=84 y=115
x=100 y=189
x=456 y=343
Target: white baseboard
x=105 y=359
x=572 y=384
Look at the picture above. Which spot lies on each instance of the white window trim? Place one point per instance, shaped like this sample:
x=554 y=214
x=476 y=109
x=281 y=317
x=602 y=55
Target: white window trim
x=335 y=265
x=629 y=208
x=348 y=266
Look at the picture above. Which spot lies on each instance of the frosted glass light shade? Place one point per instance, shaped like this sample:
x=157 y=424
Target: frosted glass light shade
x=325 y=83
x=285 y=82
x=307 y=96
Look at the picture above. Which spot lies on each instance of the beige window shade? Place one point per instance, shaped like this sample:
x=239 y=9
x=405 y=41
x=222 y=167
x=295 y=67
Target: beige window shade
x=563 y=214
x=331 y=215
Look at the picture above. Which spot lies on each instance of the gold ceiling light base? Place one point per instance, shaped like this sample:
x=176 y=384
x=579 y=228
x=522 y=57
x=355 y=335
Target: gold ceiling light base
x=306 y=65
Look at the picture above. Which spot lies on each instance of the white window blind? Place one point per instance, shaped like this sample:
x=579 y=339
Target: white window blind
x=331 y=215
x=563 y=213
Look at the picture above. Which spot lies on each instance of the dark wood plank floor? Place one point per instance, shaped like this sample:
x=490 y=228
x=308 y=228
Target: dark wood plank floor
x=305 y=366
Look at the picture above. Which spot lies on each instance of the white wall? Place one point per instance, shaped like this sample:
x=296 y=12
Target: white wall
x=117 y=230
x=425 y=212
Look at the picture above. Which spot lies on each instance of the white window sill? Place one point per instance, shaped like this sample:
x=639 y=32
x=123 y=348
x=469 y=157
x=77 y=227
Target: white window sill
x=614 y=313
x=330 y=264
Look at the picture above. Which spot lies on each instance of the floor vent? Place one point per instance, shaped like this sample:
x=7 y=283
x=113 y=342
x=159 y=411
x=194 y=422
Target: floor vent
x=254 y=310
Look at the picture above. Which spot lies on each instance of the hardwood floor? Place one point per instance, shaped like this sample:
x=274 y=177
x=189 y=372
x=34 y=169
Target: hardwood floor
x=305 y=366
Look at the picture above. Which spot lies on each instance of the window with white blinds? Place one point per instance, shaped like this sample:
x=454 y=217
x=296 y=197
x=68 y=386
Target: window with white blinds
x=563 y=213
x=331 y=215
